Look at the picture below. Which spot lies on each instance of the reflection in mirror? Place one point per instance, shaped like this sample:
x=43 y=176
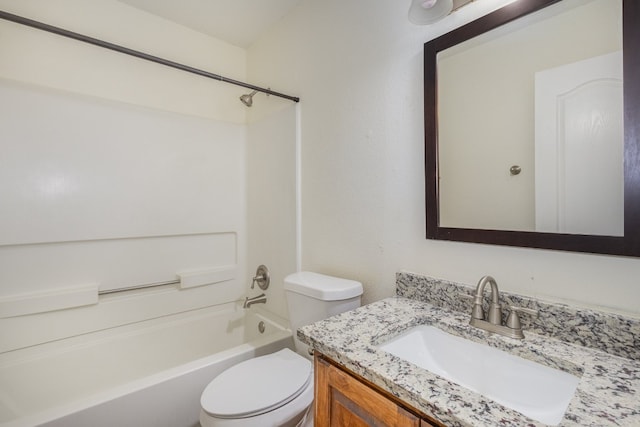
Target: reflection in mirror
x=531 y=129
x=543 y=93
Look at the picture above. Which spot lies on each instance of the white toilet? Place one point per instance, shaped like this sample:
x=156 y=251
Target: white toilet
x=276 y=390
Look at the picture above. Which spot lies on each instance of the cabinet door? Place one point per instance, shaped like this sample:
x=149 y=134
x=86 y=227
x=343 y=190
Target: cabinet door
x=342 y=400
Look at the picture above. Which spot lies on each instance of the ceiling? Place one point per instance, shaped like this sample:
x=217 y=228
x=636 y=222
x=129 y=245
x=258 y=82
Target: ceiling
x=239 y=22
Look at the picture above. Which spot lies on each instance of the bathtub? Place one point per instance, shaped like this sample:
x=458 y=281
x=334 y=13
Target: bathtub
x=145 y=374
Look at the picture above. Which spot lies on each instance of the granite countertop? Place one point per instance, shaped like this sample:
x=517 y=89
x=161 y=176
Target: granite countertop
x=608 y=392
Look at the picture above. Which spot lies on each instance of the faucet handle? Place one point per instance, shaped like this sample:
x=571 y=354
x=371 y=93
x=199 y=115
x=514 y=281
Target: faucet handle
x=513 y=321
x=262 y=278
x=465 y=295
x=477 y=311
x=529 y=311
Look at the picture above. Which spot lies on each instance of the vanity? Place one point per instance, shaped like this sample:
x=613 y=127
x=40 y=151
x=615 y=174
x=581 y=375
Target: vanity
x=344 y=398
x=358 y=381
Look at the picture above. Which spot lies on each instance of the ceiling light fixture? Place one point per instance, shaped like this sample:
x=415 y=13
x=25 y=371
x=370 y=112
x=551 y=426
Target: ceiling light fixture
x=424 y=12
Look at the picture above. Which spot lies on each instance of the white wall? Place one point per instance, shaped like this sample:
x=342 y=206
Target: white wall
x=107 y=229
x=357 y=67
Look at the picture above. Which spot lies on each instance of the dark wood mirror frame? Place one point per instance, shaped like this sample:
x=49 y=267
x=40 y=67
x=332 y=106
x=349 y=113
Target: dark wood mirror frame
x=629 y=244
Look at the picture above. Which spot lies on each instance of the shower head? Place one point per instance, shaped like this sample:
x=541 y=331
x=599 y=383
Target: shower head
x=247 y=99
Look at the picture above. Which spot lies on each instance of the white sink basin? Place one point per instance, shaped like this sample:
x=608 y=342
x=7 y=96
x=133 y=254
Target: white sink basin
x=535 y=390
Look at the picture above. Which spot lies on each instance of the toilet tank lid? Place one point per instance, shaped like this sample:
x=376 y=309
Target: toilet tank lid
x=321 y=286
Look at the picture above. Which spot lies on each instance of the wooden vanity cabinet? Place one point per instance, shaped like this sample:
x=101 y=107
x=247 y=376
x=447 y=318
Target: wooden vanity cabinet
x=344 y=399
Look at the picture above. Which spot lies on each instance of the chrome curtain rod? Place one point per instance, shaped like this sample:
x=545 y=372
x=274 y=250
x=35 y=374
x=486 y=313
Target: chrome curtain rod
x=97 y=42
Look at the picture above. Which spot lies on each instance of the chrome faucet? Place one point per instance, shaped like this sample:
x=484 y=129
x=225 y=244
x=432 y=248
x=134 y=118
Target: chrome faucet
x=260 y=299
x=492 y=322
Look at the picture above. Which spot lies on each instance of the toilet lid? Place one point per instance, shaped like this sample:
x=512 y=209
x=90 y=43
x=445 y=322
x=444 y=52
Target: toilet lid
x=257 y=385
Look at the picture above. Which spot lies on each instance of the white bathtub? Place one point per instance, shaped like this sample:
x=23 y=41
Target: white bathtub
x=146 y=374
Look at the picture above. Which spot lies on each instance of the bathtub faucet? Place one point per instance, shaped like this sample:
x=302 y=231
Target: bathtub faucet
x=260 y=299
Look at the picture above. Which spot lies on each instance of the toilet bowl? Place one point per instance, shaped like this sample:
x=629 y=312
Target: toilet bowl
x=276 y=390
x=272 y=390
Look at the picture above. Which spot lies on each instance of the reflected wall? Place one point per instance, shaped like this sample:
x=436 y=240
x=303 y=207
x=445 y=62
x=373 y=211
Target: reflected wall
x=486 y=109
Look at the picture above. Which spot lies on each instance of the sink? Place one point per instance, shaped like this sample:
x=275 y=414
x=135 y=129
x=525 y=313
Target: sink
x=537 y=391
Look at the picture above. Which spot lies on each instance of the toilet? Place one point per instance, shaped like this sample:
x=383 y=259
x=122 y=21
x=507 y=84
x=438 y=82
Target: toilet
x=276 y=390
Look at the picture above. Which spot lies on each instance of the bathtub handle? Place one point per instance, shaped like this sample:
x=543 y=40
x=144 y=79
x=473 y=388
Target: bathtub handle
x=262 y=277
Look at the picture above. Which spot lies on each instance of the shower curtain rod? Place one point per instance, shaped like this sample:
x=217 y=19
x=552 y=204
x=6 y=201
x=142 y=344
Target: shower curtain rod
x=97 y=42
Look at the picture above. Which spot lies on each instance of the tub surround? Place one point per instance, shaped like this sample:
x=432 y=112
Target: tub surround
x=599 y=348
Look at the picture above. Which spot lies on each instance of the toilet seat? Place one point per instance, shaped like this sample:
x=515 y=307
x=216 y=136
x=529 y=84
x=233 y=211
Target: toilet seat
x=257 y=386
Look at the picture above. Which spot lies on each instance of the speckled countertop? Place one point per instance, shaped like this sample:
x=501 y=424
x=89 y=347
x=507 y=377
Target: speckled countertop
x=608 y=392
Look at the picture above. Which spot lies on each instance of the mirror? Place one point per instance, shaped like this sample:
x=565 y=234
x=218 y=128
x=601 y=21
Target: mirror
x=520 y=148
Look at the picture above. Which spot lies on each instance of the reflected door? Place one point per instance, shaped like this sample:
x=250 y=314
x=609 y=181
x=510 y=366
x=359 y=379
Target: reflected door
x=579 y=180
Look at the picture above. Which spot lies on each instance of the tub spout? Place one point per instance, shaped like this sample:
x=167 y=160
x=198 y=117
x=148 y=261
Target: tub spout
x=260 y=299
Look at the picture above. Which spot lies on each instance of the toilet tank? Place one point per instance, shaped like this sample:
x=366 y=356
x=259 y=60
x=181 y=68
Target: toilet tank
x=313 y=296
